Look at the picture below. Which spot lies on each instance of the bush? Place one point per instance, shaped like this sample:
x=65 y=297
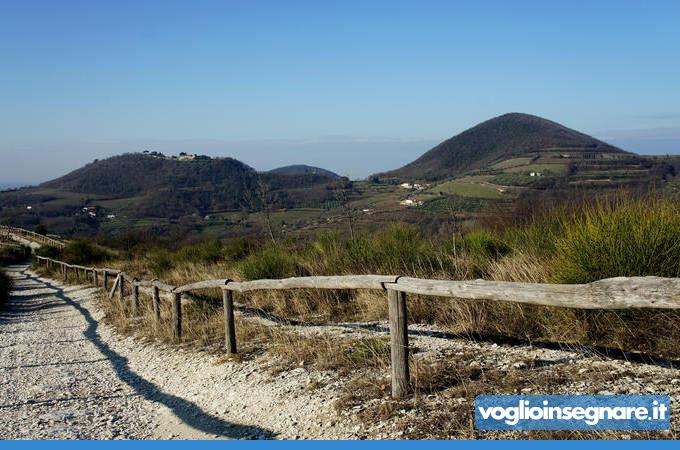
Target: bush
x=400 y=249
x=625 y=238
x=274 y=261
x=204 y=252
x=484 y=244
x=13 y=255
x=47 y=251
x=540 y=234
x=160 y=262
x=83 y=252
x=237 y=249
x=5 y=287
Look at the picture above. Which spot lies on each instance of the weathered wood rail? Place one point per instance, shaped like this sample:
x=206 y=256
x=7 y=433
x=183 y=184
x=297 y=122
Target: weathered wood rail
x=612 y=293
x=31 y=236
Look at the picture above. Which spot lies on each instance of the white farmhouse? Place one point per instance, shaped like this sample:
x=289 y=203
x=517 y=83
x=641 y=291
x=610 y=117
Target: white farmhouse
x=409 y=202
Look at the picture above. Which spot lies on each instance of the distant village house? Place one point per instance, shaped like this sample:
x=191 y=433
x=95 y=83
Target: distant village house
x=409 y=202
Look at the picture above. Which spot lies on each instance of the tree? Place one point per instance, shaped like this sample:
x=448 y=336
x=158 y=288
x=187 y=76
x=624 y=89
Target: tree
x=262 y=198
x=266 y=200
x=343 y=191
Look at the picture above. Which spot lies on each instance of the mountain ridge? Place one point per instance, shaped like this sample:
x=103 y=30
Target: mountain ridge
x=303 y=169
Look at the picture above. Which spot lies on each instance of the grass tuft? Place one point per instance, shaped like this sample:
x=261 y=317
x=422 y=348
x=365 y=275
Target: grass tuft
x=624 y=238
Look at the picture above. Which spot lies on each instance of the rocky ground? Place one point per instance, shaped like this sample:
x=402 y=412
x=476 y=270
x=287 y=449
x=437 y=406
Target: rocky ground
x=65 y=375
x=58 y=379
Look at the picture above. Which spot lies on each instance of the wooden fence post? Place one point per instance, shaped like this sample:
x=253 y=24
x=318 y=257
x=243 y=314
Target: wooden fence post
x=399 y=343
x=229 y=328
x=64 y=269
x=135 y=298
x=106 y=280
x=156 y=306
x=177 y=316
x=95 y=277
x=121 y=288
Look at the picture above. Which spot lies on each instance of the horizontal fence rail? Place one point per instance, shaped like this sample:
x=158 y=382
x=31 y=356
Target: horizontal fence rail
x=612 y=293
x=31 y=236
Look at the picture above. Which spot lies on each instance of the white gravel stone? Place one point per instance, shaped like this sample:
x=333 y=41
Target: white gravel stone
x=65 y=375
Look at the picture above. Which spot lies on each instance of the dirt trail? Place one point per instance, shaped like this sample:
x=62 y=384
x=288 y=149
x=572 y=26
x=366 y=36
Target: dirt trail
x=63 y=374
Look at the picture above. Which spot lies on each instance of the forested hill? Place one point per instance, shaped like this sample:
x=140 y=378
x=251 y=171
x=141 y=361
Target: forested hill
x=134 y=174
x=508 y=136
x=155 y=186
x=302 y=169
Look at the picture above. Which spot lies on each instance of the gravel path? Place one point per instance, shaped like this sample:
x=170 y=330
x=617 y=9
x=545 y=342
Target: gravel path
x=65 y=375
x=57 y=378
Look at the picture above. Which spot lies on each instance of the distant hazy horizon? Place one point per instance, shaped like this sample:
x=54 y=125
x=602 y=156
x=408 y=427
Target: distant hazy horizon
x=353 y=87
x=355 y=158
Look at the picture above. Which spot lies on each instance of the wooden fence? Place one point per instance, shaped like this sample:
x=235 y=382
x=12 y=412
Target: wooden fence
x=31 y=236
x=612 y=293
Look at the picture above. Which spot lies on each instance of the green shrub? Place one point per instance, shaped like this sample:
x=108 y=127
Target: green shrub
x=399 y=249
x=625 y=238
x=5 y=286
x=484 y=244
x=239 y=248
x=273 y=261
x=206 y=252
x=47 y=251
x=209 y=251
x=13 y=255
x=538 y=236
x=83 y=252
x=159 y=262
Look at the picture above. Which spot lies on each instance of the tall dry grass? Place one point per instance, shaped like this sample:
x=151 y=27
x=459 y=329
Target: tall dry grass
x=618 y=237
x=564 y=246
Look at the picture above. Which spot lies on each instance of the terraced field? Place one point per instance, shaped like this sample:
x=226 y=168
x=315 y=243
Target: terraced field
x=469 y=187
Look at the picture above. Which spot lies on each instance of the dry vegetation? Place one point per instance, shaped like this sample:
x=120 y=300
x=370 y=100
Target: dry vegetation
x=601 y=240
x=10 y=253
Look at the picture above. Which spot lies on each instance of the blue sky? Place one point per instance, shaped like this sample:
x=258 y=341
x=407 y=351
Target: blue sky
x=356 y=87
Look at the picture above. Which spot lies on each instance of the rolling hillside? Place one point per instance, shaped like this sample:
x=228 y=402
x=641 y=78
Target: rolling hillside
x=148 y=190
x=490 y=167
x=137 y=174
x=505 y=137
